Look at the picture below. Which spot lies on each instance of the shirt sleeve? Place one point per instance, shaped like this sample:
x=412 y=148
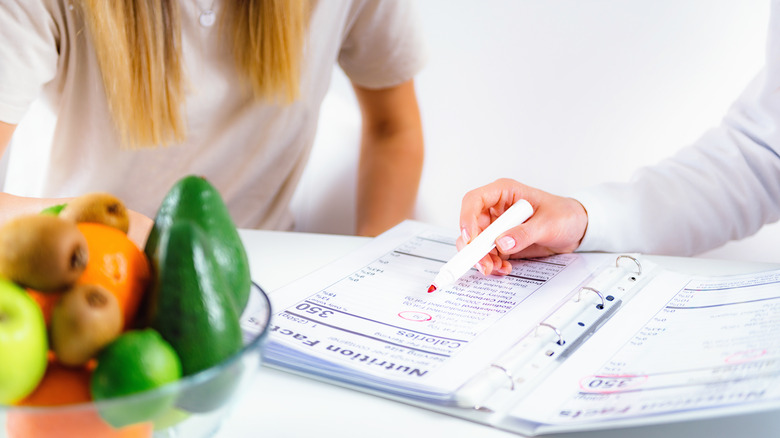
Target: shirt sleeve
x=383 y=45
x=28 y=55
x=723 y=187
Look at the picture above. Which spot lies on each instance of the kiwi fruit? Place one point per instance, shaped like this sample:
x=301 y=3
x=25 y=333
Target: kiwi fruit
x=84 y=320
x=42 y=252
x=98 y=207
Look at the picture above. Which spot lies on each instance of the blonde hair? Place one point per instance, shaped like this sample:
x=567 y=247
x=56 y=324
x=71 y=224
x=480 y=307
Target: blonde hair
x=138 y=47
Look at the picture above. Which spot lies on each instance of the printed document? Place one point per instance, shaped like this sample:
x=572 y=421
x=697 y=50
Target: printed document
x=369 y=319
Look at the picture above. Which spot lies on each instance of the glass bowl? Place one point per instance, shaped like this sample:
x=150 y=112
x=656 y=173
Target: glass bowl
x=192 y=407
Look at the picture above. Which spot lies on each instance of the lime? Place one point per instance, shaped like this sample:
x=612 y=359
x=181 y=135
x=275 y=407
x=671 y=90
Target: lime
x=136 y=361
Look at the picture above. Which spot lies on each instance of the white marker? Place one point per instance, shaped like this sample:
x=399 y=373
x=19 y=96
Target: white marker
x=472 y=253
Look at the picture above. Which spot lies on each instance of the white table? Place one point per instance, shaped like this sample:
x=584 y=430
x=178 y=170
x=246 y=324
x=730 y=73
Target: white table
x=281 y=405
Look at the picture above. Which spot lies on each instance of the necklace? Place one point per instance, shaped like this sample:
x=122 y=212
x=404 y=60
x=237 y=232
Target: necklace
x=207 y=16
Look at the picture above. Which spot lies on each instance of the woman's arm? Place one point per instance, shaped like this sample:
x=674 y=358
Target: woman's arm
x=11 y=206
x=391 y=157
x=6 y=131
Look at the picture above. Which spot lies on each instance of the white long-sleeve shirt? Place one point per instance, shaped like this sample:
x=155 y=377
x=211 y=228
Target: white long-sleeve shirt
x=723 y=187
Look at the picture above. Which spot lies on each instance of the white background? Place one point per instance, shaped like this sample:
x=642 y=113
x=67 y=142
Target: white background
x=557 y=94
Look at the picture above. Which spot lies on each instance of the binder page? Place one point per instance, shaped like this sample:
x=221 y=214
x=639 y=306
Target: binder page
x=368 y=319
x=685 y=347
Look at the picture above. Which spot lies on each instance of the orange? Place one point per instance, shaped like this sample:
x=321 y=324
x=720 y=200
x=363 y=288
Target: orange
x=61 y=386
x=46 y=301
x=70 y=424
x=116 y=263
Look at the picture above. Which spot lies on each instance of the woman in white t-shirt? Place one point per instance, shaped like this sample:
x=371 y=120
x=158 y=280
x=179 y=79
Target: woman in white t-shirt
x=146 y=92
x=723 y=187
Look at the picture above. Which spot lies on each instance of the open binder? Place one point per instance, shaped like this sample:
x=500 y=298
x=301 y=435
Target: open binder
x=569 y=342
x=553 y=339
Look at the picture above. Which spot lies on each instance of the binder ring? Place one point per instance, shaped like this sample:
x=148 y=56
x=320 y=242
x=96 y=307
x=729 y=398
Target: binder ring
x=557 y=332
x=508 y=375
x=638 y=265
x=588 y=288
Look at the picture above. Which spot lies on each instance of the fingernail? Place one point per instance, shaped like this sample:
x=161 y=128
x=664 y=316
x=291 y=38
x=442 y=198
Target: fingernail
x=505 y=243
x=481 y=268
x=504 y=271
x=464 y=234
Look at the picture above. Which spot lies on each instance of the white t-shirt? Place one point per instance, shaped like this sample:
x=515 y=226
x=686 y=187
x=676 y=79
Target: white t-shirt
x=723 y=187
x=252 y=152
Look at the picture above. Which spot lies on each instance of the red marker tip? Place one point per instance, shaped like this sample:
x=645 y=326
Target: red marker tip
x=432 y=288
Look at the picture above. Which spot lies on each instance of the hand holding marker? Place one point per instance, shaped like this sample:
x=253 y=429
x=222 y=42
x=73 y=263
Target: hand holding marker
x=472 y=253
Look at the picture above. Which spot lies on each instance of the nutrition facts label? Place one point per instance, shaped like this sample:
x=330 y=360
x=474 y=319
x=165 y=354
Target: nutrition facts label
x=375 y=315
x=714 y=343
x=384 y=306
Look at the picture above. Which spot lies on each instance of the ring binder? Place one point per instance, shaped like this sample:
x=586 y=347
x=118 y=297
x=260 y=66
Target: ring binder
x=603 y=303
x=555 y=329
x=624 y=256
x=571 y=323
x=508 y=375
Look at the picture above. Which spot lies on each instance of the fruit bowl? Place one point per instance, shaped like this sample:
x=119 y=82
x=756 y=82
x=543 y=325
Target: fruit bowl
x=192 y=407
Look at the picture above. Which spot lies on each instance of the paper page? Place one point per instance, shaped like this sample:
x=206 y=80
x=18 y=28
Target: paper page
x=368 y=318
x=690 y=344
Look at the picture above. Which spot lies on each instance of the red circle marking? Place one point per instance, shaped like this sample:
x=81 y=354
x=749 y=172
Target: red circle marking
x=413 y=315
x=746 y=356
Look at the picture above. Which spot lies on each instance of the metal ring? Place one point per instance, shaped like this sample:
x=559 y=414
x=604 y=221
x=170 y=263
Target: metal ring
x=603 y=303
x=557 y=332
x=508 y=375
x=638 y=265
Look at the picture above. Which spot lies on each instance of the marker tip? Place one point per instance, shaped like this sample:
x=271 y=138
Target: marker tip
x=431 y=288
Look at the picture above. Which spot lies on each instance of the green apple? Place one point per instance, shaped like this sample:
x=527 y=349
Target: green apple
x=23 y=343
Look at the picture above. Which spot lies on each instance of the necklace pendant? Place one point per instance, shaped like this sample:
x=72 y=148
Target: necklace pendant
x=207 y=18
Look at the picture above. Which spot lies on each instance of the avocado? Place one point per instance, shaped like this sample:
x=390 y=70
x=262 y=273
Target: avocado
x=187 y=304
x=195 y=198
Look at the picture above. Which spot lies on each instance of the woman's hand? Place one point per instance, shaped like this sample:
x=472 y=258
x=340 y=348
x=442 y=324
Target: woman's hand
x=140 y=226
x=557 y=225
